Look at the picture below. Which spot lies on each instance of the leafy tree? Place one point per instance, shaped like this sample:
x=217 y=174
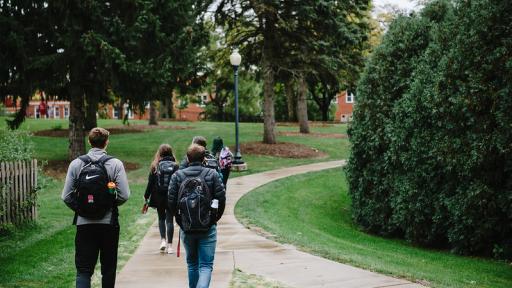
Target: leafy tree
x=288 y=39
x=85 y=51
x=22 y=51
x=163 y=55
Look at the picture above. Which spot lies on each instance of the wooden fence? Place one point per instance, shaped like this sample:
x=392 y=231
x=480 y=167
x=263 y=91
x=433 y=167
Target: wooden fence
x=18 y=182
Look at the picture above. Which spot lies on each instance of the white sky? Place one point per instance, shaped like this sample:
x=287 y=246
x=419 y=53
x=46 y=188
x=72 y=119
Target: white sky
x=406 y=5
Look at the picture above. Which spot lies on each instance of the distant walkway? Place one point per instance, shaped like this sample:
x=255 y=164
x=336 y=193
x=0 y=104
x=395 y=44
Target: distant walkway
x=238 y=247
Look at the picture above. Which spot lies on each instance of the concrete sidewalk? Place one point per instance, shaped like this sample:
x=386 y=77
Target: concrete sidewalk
x=238 y=247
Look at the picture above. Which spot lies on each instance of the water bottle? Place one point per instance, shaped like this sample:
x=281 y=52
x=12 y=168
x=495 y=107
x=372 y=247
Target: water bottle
x=215 y=208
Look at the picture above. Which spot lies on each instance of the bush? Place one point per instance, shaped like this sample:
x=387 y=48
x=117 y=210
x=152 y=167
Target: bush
x=15 y=145
x=432 y=136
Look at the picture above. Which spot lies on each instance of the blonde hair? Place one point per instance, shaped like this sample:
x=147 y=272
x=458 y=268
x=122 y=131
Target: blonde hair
x=163 y=150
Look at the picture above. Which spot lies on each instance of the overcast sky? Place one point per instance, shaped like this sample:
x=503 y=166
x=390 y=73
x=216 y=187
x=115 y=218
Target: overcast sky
x=406 y=5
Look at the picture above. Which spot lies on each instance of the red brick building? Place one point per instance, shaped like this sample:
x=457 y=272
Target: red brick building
x=53 y=109
x=58 y=109
x=345 y=104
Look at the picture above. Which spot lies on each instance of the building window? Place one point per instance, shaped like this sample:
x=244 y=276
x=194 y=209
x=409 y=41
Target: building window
x=66 y=112
x=57 y=112
x=350 y=97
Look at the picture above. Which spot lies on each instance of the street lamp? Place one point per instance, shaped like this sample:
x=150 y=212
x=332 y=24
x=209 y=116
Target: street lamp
x=238 y=163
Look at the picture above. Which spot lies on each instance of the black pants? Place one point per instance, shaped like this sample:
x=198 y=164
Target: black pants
x=92 y=240
x=225 y=176
x=165 y=223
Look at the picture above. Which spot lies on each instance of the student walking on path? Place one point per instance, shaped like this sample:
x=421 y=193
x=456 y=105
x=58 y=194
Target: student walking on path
x=162 y=168
x=95 y=186
x=197 y=198
x=224 y=158
x=209 y=159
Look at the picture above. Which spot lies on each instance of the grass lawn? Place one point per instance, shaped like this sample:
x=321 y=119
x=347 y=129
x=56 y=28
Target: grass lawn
x=42 y=254
x=244 y=280
x=312 y=211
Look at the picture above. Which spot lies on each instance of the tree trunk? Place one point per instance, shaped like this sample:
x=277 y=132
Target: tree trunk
x=220 y=113
x=302 y=106
x=120 y=109
x=325 y=112
x=166 y=109
x=76 y=117
x=92 y=107
x=152 y=113
x=291 y=100
x=269 y=120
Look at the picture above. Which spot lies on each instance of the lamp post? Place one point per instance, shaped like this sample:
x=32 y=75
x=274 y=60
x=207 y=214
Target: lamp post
x=238 y=163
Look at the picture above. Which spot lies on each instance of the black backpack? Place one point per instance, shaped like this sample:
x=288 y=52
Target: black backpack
x=194 y=204
x=92 y=194
x=164 y=171
x=211 y=162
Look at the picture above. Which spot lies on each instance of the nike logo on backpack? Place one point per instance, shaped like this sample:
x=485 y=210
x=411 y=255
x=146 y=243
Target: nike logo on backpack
x=87 y=177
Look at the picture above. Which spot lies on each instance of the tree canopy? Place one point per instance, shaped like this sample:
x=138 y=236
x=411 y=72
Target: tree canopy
x=289 y=39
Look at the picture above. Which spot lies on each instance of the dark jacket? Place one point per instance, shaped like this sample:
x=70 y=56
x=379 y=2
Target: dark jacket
x=211 y=178
x=156 y=199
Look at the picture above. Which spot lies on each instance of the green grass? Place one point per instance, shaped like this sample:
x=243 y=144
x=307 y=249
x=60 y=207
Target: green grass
x=312 y=211
x=42 y=254
x=244 y=280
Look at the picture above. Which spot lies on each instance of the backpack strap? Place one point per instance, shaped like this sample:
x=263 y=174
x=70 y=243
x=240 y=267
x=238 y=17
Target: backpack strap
x=101 y=161
x=114 y=219
x=203 y=174
x=85 y=158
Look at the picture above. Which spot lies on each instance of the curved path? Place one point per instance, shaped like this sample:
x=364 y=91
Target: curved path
x=238 y=247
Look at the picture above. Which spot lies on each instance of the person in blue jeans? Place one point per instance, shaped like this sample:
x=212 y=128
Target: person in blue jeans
x=199 y=245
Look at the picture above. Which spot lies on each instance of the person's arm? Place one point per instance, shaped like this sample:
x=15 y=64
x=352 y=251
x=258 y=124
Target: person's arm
x=151 y=185
x=123 y=190
x=219 y=193
x=69 y=186
x=172 y=194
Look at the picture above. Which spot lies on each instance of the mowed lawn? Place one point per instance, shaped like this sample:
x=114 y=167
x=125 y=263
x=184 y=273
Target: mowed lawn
x=312 y=211
x=42 y=254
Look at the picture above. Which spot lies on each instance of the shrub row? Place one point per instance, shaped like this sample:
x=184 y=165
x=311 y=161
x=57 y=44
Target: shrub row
x=432 y=132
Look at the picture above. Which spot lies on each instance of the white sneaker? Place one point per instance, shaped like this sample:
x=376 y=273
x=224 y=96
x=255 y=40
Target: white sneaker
x=169 y=249
x=162 y=245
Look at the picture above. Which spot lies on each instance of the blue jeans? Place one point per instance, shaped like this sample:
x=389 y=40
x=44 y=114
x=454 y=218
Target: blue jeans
x=200 y=253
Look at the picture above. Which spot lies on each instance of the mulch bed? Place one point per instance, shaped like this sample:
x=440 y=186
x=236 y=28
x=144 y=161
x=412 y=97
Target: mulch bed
x=311 y=124
x=58 y=168
x=281 y=149
x=113 y=130
x=314 y=134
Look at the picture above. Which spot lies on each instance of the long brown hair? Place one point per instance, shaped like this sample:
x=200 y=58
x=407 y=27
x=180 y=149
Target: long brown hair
x=163 y=150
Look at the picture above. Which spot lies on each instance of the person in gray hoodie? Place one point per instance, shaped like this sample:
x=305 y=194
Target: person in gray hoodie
x=96 y=236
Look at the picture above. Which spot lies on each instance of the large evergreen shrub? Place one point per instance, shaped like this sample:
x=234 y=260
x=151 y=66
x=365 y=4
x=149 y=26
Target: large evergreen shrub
x=432 y=130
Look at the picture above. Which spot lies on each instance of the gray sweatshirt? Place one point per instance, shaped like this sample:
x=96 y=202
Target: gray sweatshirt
x=115 y=171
